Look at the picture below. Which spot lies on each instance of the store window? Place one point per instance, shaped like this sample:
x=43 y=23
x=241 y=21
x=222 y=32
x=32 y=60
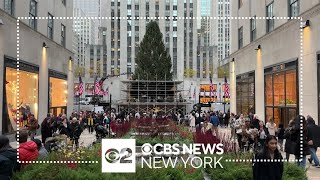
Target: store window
x=28 y=96
x=245 y=93
x=281 y=93
x=58 y=93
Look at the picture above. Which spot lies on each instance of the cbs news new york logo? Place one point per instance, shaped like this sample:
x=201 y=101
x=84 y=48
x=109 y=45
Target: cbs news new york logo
x=118 y=155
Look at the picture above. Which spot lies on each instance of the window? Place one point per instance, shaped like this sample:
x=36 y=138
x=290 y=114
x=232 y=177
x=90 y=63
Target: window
x=293 y=8
x=63 y=35
x=240 y=3
x=50 y=26
x=33 y=14
x=245 y=93
x=253 y=31
x=136 y=7
x=270 y=22
x=240 y=37
x=64 y=2
x=9 y=7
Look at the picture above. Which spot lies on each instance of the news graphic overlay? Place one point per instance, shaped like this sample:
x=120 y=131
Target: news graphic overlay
x=171 y=155
x=118 y=156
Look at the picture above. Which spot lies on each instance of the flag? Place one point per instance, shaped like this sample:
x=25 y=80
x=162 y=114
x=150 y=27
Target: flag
x=211 y=87
x=226 y=88
x=97 y=87
x=80 y=88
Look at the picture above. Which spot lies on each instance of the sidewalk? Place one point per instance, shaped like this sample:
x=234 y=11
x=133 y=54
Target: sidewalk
x=312 y=172
x=85 y=140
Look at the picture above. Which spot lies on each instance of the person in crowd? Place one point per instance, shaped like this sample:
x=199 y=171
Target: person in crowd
x=46 y=128
x=289 y=144
x=249 y=135
x=90 y=123
x=32 y=126
x=255 y=121
x=137 y=115
x=272 y=127
x=64 y=126
x=281 y=136
x=232 y=123
x=43 y=153
x=250 y=116
x=225 y=118
x=192 y=123
x=238 y=126
x=315 y=132
x=268 y=170
x=8 y=159
x=214 y=120
x=28 y=150
x=306 y=141
x=220 y=117
x=263 y=133
x=75 y=131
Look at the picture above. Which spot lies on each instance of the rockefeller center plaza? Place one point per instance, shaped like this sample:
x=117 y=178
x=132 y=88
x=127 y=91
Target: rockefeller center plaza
x=160 y=89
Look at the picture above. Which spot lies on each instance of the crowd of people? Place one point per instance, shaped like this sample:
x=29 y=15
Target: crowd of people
x=266 y=140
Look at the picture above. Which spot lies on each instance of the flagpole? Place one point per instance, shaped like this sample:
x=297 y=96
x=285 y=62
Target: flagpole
x=94 y=94
x=79 y=102
x=224 y=97
x=79 y=91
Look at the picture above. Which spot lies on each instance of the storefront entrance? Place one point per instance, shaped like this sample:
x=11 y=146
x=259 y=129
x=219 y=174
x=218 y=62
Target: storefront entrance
x=281 y=93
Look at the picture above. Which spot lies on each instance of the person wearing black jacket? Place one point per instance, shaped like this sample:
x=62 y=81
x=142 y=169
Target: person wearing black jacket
x=289 y=146
x=272 y=170
x=75 y=131
x=315 y=131
x=46 y=128
x=307 y=140
x=8 y=159
x=263 y=133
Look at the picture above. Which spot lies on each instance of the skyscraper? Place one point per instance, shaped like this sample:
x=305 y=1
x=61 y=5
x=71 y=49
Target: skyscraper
x=84 y=34
x=91 y=8
x=221 y=9
x=179 y=35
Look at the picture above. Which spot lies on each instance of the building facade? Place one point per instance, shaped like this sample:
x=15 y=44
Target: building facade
x=85 y=33
x=274 y=71
x=91 y=8
x=45 y=48
x=123 y=35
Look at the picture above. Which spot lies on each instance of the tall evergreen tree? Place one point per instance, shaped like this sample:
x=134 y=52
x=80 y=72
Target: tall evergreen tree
x=153 y=61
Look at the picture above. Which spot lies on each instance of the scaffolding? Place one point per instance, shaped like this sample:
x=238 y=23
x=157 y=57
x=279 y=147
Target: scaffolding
x=147 y=96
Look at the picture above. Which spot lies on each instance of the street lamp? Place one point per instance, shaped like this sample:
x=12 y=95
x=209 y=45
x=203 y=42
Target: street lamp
x=306 y=24
x=258 y=48
x=44 y=45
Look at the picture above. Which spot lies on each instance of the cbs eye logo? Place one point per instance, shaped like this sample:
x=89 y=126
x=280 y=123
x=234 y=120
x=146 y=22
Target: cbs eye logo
x=113 y=155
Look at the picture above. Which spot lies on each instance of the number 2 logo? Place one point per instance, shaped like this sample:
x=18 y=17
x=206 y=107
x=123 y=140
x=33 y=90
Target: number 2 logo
x=113 y=155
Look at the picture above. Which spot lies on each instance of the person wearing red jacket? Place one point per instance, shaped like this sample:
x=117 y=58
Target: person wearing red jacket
x=28 y=150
